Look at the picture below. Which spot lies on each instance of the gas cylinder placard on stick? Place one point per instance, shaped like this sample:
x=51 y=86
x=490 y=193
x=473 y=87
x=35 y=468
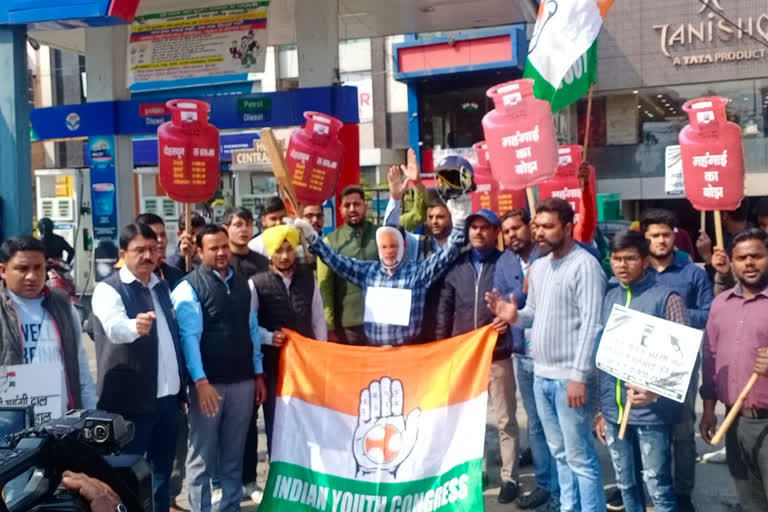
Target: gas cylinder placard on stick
x=489 y=194
x=314 y=158
x=520 y=134
x=712 y=155
x=188 y=150
x=565 y=184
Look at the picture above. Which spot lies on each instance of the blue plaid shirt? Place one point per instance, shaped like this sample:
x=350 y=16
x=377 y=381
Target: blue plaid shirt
x=411 y=275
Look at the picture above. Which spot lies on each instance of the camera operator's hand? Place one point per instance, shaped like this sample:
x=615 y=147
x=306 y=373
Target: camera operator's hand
x=208 y=397
x=99 y=495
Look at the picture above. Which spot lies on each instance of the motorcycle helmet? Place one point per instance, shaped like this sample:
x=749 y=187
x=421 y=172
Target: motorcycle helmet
x=454 y=177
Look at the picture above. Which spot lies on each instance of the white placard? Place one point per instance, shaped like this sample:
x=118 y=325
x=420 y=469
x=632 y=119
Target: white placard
x=674 y=184
x=649 y=352
x=387 y=305
x=39 y=385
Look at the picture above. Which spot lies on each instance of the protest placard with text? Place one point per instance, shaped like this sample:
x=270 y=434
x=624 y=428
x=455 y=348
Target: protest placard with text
x=649 y=352
x=39 y=385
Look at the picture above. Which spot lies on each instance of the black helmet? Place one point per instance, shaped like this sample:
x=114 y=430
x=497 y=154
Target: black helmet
x=454 y=177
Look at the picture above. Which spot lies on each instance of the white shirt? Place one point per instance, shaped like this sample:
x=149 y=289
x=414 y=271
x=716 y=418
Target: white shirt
x=42 y=343
x=109 y=309
x=319 y=327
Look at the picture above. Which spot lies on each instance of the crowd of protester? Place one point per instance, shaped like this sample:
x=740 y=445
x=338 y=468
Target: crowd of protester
x=188 y=346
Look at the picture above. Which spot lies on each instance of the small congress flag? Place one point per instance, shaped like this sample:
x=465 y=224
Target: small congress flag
x=380 y=428
x=562 y=54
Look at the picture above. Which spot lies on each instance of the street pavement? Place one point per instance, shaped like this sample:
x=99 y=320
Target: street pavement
x=714 y=490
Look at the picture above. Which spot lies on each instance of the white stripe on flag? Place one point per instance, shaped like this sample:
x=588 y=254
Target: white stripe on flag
x=447 y=436
x=563 y=33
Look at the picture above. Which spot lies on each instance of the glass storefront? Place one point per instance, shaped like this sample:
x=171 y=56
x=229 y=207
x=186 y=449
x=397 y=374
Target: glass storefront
x=631 y=129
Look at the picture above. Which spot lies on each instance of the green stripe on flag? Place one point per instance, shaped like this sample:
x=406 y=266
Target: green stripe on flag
x=576 y=83
x=295 y=488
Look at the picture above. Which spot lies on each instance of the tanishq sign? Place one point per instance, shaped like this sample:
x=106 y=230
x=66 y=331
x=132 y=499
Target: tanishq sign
x=713 y=28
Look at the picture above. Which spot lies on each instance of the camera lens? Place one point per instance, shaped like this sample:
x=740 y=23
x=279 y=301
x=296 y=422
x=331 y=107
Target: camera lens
x=100 y=433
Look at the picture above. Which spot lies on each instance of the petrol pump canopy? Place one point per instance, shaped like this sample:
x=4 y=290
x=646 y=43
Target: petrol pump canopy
x=357 y=18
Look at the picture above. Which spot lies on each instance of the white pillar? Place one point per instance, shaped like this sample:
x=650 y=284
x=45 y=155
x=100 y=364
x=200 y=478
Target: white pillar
x=106 y=69
x=317 y=39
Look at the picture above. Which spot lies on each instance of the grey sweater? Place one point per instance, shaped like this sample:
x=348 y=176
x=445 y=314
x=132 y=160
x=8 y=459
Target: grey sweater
x=563 y=307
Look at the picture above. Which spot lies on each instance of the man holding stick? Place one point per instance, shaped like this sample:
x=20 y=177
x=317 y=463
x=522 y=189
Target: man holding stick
x=733 y=351
x=650 y=417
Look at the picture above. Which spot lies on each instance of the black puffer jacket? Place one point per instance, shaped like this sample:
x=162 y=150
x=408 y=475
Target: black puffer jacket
x=462 y=307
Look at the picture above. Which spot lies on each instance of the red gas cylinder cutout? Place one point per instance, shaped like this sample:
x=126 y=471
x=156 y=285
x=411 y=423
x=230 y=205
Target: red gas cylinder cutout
x=188 y=150
x=314 y=158
x=489 y=193
x=565 y=183
x=713 y=156
x=520 y=134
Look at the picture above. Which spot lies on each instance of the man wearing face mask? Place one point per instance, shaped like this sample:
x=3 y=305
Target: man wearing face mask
x=393 y=270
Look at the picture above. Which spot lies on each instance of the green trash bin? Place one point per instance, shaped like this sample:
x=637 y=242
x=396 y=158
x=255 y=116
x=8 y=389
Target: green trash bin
x=609 y=207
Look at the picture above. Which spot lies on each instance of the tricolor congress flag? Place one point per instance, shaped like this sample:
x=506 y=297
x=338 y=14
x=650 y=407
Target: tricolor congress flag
x=562 y=54
x=387 y=429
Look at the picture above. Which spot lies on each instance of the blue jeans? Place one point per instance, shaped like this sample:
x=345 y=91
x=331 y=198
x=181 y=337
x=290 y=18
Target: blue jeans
x=155 y=438
x=544 y=466
x=656 y=458
x=569 y=436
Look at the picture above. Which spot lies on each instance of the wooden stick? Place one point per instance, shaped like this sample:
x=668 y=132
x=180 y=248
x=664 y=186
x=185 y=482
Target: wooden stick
x=703 y=221
x=735 y=410
x=280 y=170
x=284 y=179
x=188 y=231
x=719 y=229
x=588 y=123
x=531 y=199
x=625 y=420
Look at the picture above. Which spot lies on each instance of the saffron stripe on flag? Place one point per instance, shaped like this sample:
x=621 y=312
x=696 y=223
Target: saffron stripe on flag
x=332 y=375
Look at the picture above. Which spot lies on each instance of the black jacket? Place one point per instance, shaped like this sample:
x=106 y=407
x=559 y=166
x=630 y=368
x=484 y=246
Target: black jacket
x=461 y=307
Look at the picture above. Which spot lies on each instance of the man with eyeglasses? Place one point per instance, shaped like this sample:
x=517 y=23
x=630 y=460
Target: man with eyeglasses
x=138 y=353
x=651 y=418
x=313 y=213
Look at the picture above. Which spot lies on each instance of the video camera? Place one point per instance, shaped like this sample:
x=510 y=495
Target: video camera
x=84 y=441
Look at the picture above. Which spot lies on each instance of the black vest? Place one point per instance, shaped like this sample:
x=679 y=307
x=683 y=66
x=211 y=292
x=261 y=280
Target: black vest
x=226 y=347
x=127 y=372
x=57 y=304
x=279 y=307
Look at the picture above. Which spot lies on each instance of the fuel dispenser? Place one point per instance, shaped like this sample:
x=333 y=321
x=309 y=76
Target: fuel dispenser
x=63 y=195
